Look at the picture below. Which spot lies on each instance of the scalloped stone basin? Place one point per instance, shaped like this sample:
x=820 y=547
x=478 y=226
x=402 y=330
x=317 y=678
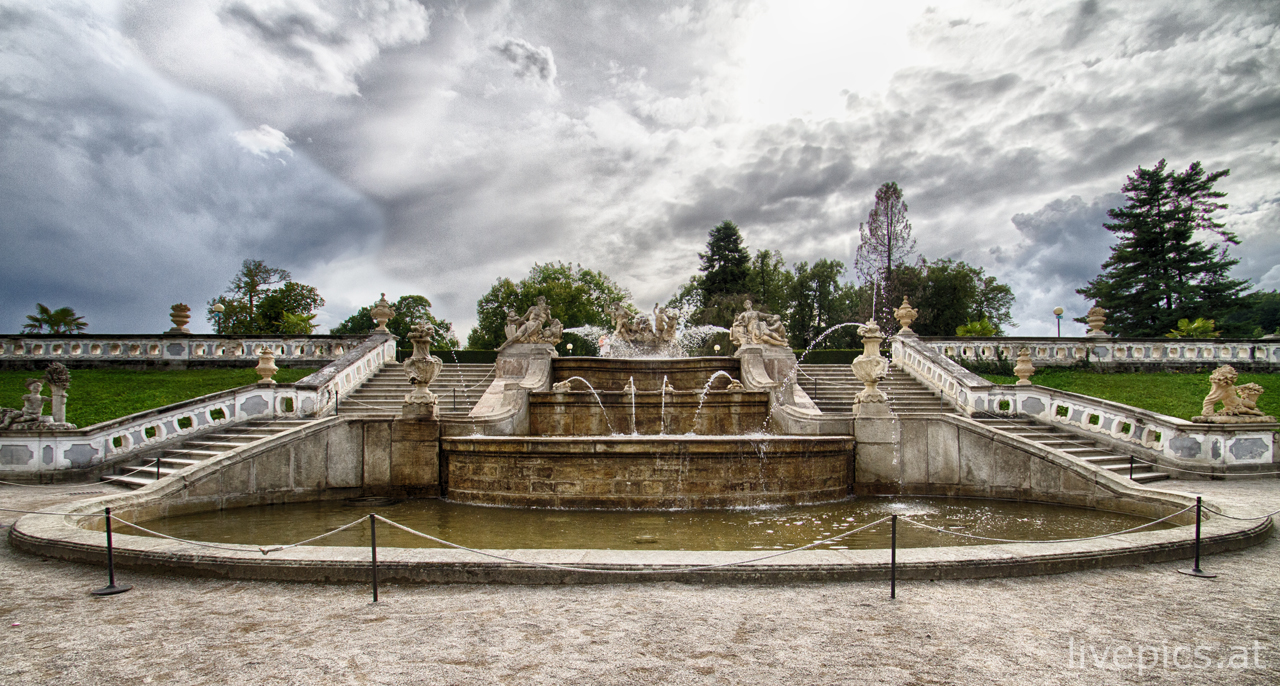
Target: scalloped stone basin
x=647 y=471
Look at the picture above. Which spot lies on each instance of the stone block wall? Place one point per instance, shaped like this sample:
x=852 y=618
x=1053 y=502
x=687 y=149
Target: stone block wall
x=579 y=413
x=646 y=473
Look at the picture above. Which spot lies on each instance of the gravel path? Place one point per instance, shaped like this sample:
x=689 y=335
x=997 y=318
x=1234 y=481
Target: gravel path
x=1083 y=628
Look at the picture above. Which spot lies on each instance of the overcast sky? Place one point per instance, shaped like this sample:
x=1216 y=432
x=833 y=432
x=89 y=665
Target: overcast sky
x=147 y=147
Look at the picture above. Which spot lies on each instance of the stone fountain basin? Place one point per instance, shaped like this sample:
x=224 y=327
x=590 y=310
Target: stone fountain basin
x=647 y=471
x=583 y=413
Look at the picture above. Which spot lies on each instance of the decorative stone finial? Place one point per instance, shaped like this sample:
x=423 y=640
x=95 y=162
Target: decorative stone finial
x=180 y=314
x=870 y=367
x=266 y=365
x=59 y=379
x=1024 y=369
x=421 y=368
x=382 y=313
x=1239 y=403
x=905 y=314
x=1097 y=318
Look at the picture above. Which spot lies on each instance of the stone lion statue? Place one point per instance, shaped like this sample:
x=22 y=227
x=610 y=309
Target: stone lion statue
x=1222 y=389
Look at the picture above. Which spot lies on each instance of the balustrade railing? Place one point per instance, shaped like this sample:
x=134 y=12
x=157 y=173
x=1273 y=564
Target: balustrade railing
x=1169 y=440
x=1114 y=352
x=171 y=347
x=313 y=396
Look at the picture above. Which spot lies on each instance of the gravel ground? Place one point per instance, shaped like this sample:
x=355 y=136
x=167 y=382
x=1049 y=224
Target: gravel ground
x=1083 y=628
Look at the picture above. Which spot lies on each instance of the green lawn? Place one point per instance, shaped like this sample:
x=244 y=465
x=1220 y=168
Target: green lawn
x=97 y=395
x=1171 y=393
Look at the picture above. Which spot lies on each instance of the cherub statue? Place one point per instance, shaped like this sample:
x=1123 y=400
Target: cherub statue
x=1222 y=389
x=32 y=407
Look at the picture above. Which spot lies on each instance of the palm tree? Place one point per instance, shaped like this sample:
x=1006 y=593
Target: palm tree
x=61 y=320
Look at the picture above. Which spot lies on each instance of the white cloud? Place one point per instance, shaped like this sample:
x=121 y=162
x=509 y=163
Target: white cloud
x=263 y=141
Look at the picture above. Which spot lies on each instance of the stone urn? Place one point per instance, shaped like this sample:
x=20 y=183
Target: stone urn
x=180 y=314
x=870 y=367
x=421 y=369
x=266 y=365
x=382 y=313
x=905 y=314
x=1024 y=369
x=1097 y=318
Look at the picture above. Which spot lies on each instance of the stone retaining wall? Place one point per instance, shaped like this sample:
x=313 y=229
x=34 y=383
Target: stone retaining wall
x=648 y=472
x=582 y=413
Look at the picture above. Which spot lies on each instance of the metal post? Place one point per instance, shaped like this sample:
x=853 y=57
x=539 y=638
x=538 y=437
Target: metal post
x=1131 y=467
x=893 y=557
x=373 y=553
x=157 y=467
x=111 y=588
x=1196 y=571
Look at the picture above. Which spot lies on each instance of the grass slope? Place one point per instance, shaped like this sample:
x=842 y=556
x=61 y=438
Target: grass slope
x=98 y=395
x=1172 y=393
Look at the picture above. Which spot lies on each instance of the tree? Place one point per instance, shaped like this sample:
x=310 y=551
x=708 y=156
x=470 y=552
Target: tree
x=577 y=296
x=981 y=327
x=410 y=309
x=61 y=320
x=819 y=301
x=950 y=294
x=1200 y=328
x=1259 y=315
x=1158 y=271
x=724 y=264
x=769 y=282
x=251 y=306
x=886 y=244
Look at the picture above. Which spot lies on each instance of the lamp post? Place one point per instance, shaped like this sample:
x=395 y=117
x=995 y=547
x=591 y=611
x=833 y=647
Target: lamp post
x=569 y=347
x=717 y=348
x=217 y=316
x=1057 y=312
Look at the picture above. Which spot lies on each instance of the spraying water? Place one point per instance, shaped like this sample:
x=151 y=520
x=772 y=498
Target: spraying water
x=598 y=402
x=703 y=397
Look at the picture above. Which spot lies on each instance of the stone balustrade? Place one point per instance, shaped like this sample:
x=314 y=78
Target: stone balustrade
x=23 y=453
x=1145 y=353
x=1169 y=441
x=173 y=350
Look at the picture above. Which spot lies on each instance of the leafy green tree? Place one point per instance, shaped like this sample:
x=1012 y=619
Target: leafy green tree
x=886 y=244
x=252 y=306
x=1258 y=315
x=724 y=264
x=61 y=320
x=410 y=309
x=1159 y=272
x=819 y=301
x=1200 y=328
x=577 y=297
x=769 y=282
x=950 y=294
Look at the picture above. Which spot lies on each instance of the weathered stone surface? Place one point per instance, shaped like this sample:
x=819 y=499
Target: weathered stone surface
x=944 y=454
x=648 y=472
x=377 y=453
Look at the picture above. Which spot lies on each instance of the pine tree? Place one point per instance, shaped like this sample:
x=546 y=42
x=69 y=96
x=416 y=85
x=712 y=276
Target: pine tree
x=724 y=264
x=1158 y=272
x=886 y=244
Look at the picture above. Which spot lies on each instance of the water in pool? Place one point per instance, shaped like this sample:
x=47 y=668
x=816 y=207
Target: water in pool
x=755 y=529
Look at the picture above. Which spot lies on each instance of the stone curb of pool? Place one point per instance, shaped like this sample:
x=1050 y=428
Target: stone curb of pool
x=60 y=537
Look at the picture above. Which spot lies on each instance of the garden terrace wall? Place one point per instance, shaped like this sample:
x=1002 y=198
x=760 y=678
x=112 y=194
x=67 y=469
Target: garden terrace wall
x=1118 y=354
x=582 y=413
x=169 y=351
x=613 y=374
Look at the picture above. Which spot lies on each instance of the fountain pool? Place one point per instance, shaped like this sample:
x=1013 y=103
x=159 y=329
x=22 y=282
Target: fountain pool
x=774 y=528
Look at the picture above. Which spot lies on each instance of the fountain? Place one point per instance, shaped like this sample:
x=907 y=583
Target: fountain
x=709 y=442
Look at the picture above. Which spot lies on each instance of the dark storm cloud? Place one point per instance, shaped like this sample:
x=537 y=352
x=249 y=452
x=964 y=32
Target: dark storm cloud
x=124 y=195
x=529 y=61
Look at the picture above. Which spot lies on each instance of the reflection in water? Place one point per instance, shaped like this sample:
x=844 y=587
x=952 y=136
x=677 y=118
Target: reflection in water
x=754 y=529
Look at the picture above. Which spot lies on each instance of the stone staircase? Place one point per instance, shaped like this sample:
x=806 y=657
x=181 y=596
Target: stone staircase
x=833 y=386
x=1075 y=446
x=459 y=386
x=143 y=471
